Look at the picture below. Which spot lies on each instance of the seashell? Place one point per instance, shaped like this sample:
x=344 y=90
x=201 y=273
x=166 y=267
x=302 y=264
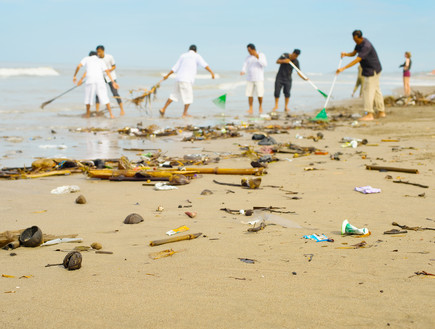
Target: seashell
x=206 y=192
x=133 y=219
x=31 y=237
x=96 y=246
x=160 y=209
x=81 y=199
x=254 y=183
x=191 y=214
x=73 y=261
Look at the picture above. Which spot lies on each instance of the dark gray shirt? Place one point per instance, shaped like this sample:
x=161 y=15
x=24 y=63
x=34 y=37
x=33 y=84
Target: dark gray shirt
x=285 y=70
x=369 y=58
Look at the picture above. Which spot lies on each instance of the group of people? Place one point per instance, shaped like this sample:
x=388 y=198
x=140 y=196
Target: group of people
x=100 y=70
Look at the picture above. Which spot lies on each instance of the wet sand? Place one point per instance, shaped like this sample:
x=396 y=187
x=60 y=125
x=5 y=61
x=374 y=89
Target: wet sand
x=205 y=285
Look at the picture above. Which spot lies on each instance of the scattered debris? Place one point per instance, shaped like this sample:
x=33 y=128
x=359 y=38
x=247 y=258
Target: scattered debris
x=349 y=229
x=162 y=254
x=133 y=219
x=414 y=228
x=382 y=168
x=81 y=199
x=409 y=183
x=318 y=238
x=175 y=239
x=309 y=256
x=191 y=214
x=262 y=226
x=65 y=189
x=96 y=246
x=183 y=228
x=247 y=260
x=367 y=190
x=395 y=231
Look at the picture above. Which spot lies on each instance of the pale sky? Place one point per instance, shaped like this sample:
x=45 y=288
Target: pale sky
x=152 y=34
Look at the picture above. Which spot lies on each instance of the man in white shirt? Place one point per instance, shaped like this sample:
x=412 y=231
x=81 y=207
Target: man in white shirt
x=94 y=84
x=110 y=63
x=254 y=69
x=185 y=68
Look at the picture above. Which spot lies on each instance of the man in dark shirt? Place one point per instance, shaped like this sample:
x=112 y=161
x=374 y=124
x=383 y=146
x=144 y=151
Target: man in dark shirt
x=284 y=76
x=371 y=71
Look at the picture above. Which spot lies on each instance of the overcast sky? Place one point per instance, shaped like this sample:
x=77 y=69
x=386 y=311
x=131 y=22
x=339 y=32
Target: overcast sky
x=152 y=34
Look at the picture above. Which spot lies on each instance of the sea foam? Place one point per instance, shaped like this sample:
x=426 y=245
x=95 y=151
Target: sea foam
x=32 y=71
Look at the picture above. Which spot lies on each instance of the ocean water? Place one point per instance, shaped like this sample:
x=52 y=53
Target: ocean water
x=27 y=131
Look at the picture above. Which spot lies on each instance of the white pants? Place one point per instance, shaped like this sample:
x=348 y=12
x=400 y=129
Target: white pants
x=96 y=89
x=372 y=95
x=252 y=86
x=183 y=90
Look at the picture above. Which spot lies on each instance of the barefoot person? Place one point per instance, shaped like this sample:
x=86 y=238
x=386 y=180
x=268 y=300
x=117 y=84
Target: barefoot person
x=284 y=77
x=110 y=63
x=407 y=73
x=253 y=67
x=185 y=68
x=94 y=85
x=371 y=71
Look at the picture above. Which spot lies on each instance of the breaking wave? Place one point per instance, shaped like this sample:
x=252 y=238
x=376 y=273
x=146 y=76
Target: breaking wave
x=33 y=71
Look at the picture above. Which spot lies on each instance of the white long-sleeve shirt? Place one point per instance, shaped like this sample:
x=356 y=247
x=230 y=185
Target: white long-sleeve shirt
x=254 y=67
x=186 y=66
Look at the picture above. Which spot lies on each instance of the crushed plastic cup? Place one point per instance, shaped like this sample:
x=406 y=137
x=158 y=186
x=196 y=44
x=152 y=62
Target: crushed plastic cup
x=349 y=229
x=65 y=189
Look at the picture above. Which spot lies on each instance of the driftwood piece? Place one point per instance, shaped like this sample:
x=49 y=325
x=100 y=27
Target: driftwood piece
x=410 y=171
x=409 y=183
x=413 y=228
x=9 y=236
x=175 y=239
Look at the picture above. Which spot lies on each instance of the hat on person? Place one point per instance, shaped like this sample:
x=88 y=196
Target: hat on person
x=296 y=51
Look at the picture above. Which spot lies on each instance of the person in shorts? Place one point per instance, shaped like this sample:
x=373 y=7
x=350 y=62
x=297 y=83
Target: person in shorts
x=94 y=84
x=185 y=69
x=253 y=68
x=110 y=63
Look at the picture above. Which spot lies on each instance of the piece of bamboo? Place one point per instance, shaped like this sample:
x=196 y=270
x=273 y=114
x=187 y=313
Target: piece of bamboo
x=48 y=174
x=410 y=171
x=175 y=239
x=228 y=171
x=108 y=173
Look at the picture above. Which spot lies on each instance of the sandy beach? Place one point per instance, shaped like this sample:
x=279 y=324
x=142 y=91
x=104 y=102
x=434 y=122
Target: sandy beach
x=293 y=283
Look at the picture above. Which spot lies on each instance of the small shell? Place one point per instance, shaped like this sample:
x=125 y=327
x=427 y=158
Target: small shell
x=96 y=246
x=133 y=219
x=73 y=261
x=191 y=214
x=206 y=192
x=81 y=199
x=160 y=209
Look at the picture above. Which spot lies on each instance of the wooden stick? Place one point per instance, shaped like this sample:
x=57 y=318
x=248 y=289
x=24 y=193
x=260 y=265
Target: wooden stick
x=227 y=171
x=409 y=183
x=175 y=239
x=410 y=171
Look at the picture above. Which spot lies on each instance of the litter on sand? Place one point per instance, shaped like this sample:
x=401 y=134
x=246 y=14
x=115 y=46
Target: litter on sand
x=162 y=254
x=64 y=240
x=164 y=187
x=183 y=228
x=367 y=189
x=349 y=229
x=318 y=238
x=65 y=189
